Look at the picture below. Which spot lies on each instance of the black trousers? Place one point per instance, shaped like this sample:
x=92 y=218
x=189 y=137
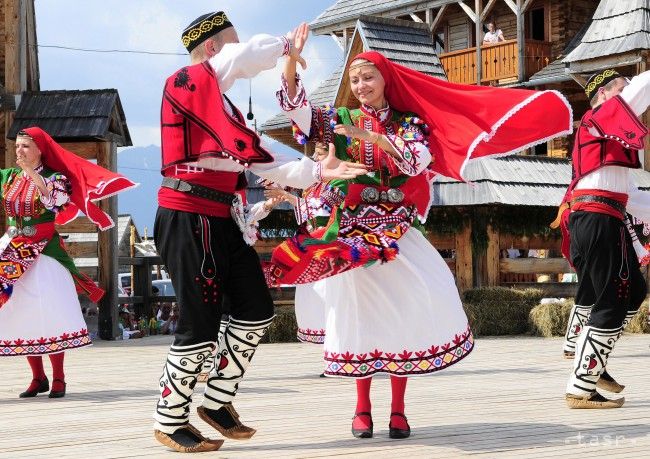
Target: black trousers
x=207 y=258
x=608 y=270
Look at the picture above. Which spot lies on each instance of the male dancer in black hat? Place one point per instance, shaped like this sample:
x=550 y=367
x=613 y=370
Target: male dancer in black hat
x=206 y=146
x=611 y=286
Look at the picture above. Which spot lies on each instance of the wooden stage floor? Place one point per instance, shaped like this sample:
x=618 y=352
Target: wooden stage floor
x=504 y=400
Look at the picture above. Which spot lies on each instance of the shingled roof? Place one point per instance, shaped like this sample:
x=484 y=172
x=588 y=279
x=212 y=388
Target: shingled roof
x=618 y=28
x=556 y=72
x=322 y=95
x=348 y=10
x=514 y=180
x=71 y=115
x=404 y=42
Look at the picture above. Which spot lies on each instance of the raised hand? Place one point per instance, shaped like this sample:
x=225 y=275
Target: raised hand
x=333 y=168
x=298 y=38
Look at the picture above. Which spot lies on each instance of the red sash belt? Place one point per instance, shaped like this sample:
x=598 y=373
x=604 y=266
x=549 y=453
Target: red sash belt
x=599 y=201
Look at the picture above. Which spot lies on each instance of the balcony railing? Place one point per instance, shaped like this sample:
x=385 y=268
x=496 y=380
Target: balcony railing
x=500 y=61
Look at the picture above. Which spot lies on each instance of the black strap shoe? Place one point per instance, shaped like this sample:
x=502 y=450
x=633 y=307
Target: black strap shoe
x=394 y=432
x=57 y=393
x=43 y=386
x=362 y=433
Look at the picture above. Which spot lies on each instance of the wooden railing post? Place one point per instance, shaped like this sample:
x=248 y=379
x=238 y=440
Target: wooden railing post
x=642 y=67
x=107 y=253
x=464 y=271
x=478 y=6
x=493 y=255
x=521 y=42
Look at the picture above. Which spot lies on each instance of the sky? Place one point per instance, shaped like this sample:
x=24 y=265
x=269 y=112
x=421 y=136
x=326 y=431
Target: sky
x=155 y=26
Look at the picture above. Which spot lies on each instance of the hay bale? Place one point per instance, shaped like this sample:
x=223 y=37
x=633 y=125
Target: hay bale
x=550 y=319
x=499 y=310
x=639 y=323
x=284 y=328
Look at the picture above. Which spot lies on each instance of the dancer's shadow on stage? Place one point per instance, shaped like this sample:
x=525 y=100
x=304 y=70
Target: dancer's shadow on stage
x=481 y=438
x=453 y=372
x=94 y=396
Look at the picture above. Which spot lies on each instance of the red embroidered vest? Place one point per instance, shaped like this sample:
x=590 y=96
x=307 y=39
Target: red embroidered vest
x=194 y=123
x=620 y=137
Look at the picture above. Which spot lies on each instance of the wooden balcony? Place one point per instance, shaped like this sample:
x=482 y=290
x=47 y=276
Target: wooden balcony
x=500 y=61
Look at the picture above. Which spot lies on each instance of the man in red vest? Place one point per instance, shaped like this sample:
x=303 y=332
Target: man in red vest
x=206 y=146
x=602 y=192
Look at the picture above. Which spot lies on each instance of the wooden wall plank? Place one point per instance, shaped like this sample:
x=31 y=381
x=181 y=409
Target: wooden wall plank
x=535 y=265
x=464 y=271
x=492 y=256
x=78 y=225
x=82 y=249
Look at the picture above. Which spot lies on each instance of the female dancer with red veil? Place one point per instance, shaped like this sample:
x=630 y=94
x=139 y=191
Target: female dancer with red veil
x=393 y=304
x=39 y=308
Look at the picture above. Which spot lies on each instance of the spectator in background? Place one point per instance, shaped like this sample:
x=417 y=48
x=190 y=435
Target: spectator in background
x=493 y=34
x=128 y=325
x=170 y=325
x=164 y=312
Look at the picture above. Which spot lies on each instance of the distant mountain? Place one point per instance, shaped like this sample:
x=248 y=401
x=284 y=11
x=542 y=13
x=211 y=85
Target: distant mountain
x=142 y=165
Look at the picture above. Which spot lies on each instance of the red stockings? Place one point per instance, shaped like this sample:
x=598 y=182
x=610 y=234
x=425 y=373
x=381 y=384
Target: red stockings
x=38 y=373
x=363 y=404
x=398 y=388
x=58 y=377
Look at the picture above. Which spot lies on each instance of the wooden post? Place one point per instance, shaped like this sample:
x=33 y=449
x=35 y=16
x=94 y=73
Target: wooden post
x=143 y=287
x=464 y=272
x=521 y=42
x=478 y=6
x=493 y=255
x=13 y=23
x=642 y=67
x=108 y=253
x=131 y=251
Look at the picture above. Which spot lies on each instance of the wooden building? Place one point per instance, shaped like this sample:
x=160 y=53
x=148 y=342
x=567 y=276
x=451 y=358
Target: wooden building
x=444 y=38
x=618 y=36
x=82 y=246
x=19 y=70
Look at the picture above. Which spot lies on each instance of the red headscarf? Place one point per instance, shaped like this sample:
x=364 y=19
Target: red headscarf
x=470 y=121
x=89 y=181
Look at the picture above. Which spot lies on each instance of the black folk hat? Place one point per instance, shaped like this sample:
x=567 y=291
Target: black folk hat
x=204 y=27
x=598 y=80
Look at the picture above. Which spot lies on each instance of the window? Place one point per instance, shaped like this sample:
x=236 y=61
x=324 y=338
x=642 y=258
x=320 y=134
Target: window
x=537 y=24
x=540 y=149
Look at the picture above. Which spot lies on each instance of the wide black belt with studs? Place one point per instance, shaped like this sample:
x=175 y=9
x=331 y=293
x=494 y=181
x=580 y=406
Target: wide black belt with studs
x=602 y=200
x=198 y=190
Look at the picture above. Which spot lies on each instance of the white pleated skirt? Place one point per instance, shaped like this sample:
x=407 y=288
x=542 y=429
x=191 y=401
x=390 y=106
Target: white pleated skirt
x=43 y=315
x=403 y=317
x=311 y=312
